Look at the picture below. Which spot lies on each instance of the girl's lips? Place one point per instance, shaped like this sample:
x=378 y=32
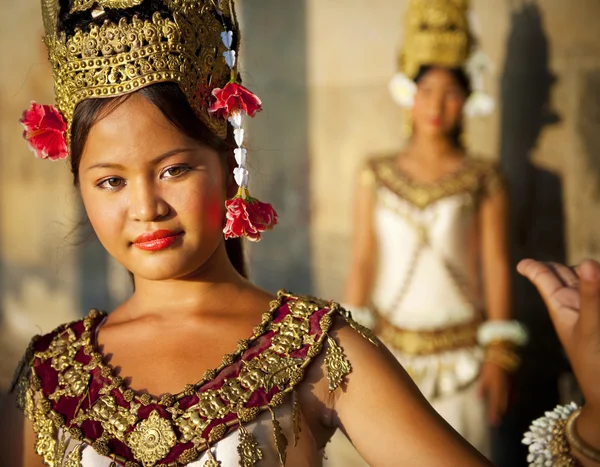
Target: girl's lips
x=159 y=240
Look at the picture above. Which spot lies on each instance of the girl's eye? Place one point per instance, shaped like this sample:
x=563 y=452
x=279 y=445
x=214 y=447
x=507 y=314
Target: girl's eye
x=175 y=171
x=111 y=183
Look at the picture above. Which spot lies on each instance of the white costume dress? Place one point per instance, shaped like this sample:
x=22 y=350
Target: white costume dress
x=426 y=299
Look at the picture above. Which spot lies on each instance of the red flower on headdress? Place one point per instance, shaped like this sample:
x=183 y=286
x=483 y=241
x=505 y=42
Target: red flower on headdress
x=247 y=216
x=45 y=131
x=234 y=97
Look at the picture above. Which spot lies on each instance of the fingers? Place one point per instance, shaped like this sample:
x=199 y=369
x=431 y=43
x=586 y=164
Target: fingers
x=542 y=276
x=589 y=289
x=567 y=274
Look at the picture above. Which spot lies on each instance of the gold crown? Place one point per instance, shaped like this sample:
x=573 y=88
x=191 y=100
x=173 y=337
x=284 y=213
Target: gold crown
x=184 y=46
x=436 y=33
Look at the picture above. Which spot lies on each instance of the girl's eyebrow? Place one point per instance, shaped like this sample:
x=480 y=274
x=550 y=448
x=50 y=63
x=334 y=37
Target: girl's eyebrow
x=156 y=160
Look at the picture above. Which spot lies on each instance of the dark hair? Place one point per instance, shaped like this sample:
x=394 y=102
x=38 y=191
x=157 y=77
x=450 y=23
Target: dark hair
x=461 y=78
x=459 y=75
x=171 y=101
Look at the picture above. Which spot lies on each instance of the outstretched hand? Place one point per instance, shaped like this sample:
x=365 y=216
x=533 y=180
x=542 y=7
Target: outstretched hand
x=572 y=295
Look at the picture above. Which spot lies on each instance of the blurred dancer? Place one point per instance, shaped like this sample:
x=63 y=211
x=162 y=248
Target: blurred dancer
x=430 y=270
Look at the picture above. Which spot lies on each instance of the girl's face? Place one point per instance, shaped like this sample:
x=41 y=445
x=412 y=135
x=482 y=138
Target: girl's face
x=154 y=197
x=438 y=103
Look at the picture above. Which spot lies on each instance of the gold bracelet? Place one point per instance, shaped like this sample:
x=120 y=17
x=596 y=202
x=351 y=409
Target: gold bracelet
x=579 y=445
x=503 y=355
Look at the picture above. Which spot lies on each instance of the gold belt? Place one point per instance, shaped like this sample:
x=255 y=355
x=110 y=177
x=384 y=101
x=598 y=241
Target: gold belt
x=427 y=342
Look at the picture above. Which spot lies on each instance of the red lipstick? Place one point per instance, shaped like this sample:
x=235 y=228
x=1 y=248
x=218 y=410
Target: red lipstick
x=155 y=241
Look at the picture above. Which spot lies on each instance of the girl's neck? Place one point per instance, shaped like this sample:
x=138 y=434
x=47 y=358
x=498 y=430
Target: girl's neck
x=207 y=290
x=431 y=149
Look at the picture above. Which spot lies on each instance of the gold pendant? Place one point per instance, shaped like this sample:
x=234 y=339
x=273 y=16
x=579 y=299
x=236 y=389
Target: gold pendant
x=211 y=462
x=152 y=439
x=281 y=441
x=248 y=449
x=337 y=364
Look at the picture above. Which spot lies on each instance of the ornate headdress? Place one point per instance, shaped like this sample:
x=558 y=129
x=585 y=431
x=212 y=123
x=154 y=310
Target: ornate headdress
x=193 y=43
x=439 y=33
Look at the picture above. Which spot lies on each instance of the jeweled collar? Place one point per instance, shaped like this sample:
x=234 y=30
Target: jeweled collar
x=70 y=388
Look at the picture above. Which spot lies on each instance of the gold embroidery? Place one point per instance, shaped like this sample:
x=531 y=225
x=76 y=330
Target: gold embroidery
x=233 y=392
x=128 y=395
x=151 y=439
x=22 y=376
x=188 y=456
x=183 y=46
x=365 y=332
x=278 y=399
x=115 y=420
x=82 y=5
x=428 y=342
x=211 y=405
x=290 y=334
x=191 y=425
x=211 y=462
x=74 y=457
x=228 y=359
x=248 y=449
x=217 y=433
x=247 y=414
x=45 y=444
x=475 y=176
x=167 y=400
x=145 y=399
x=76 y=433
x=101 y=447
x=61 y=448
x=303 y=309
x=325 y=323
x=336 y=363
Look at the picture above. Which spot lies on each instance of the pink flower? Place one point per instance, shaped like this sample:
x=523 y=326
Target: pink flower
x=248 y=217
x=45 y=131
x=234 y=97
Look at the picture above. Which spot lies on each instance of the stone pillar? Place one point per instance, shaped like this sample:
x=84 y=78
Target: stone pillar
x=274 y=65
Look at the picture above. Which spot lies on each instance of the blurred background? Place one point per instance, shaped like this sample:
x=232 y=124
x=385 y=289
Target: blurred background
x=322 y=69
